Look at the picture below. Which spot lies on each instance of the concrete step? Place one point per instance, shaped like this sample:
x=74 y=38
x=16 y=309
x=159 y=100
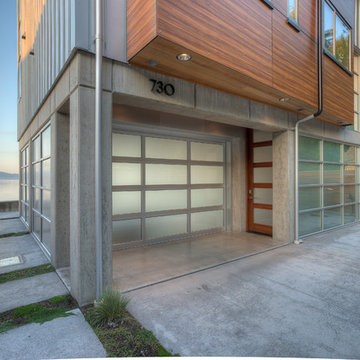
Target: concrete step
x=30 y=290
x=11 y=226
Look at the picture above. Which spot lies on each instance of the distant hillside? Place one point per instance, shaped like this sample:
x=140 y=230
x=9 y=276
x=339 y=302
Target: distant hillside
x=7 y=176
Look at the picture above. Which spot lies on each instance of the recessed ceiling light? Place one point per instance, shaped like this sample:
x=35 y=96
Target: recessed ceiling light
x=283 y=99
x=183 y=57
x=153 y=62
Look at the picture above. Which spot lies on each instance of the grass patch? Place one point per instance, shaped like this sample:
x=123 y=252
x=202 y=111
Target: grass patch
x=14 y=234
x=25 y=273
x=37 y=313
x=126 y=338
x=119 y=332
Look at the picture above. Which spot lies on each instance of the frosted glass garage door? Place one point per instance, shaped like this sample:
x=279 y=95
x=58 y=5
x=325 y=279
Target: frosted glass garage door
x=166 y=188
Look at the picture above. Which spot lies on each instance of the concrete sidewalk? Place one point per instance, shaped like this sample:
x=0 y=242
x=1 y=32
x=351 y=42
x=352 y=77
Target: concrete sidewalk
x=296 y=301
x=69 y=337
x=11 y=226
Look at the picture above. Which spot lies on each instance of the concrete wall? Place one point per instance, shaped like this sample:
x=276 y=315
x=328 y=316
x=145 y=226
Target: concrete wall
x=6 y=206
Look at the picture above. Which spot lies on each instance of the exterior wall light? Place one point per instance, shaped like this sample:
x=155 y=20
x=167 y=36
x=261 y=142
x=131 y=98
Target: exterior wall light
x=184 y=57
x=283 y=99
x=153 y=62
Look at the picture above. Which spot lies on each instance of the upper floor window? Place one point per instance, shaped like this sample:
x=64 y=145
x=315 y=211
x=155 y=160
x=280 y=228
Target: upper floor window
x=336 y=36
x=293 y=10
x=356 y=35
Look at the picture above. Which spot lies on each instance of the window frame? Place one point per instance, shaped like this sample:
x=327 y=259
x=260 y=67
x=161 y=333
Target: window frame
x=332 y=55
x=268 y=3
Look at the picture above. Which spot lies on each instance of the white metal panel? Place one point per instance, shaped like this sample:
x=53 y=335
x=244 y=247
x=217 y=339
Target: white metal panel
x=115 y=29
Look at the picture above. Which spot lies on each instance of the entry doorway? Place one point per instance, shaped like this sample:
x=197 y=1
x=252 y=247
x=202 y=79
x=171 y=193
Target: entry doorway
x=259 y=190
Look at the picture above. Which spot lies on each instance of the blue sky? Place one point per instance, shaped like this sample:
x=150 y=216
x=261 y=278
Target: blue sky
x=8 y=88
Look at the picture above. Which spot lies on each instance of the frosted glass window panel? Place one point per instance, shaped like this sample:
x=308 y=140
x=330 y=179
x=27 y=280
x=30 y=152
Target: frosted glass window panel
x=332 y=218
x=37 y=174
x=332 y=152
x=36 y=200
x=260 y=136
x=126 y=231
x=309 y=173
x=46 y=234
x=349 y=174
x=126 y=174
x=207 y=174
x=36 y=147
x=166 y=200
x=309 y=222
x=263 y=217
x=23 y=176
x=332 y=195
x=37 y=225
x=126 y=145
x=263 y=154
x=263 y=175
x=163 y=226
x=126 y=202
x=263 y=196
x=207 y=197
x=46 y=203
x=46 y=178
x=309 y=149
x=159 y=148
x=349 y=214
x=309 y=198
x=349 y=154
x=46 y=143
x=27 y=175
x=207 y=152
x=207 y=220
x=332 y=174
x=350 y=194
x=161 y=174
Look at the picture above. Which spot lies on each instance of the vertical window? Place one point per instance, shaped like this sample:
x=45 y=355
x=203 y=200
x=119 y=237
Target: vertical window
x=356 y=95
x=293 y=10
x=41 y=186
x=328 y=28
x=356 y=37
x=336 y=36
x=24 y=185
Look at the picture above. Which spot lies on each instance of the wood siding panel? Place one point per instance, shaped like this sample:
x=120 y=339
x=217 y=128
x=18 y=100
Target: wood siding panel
x=204 y=71
x=338 y=92
x=141 y=25
x=294 y=61
x=236 y=34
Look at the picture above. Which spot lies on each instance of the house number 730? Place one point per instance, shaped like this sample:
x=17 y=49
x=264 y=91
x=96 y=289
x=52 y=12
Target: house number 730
x=161 y=88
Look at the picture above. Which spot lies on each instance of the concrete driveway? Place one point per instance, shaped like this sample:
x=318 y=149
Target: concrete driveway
x=296 y=301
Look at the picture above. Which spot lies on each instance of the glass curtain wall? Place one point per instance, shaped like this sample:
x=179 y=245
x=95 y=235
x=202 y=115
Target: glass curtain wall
x=24 y=184
x=165 y=188
x=41 y=187
x=328 y=185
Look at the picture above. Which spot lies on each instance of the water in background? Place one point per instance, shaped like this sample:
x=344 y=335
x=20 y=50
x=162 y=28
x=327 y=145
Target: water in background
x=9 y=190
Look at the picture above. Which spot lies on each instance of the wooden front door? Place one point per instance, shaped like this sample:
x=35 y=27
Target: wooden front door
x=259 y=182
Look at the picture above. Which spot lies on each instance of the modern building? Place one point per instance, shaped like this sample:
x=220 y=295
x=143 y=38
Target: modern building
x=200 y=131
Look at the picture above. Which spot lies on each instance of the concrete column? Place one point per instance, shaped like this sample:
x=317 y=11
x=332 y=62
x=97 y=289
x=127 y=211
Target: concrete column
x=283 y=186
x=82 y=191
x=60 y=181
x=238 y=182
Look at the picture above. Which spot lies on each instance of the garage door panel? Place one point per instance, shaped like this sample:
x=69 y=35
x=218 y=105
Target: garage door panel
x=164 y=188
